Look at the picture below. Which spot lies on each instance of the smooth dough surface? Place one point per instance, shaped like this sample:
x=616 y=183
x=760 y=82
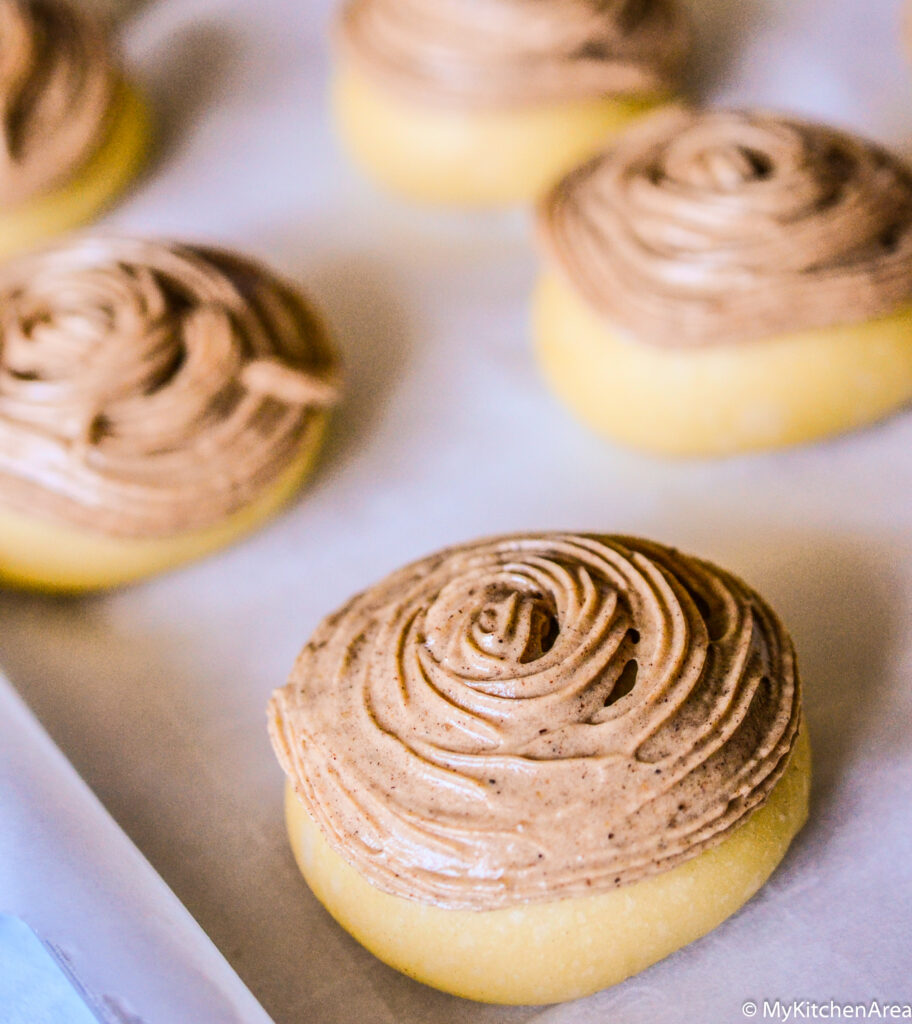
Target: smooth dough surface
x=113 y=166
x=38 y=554
x=723 y=399
x=471 y=157
x=552 y=952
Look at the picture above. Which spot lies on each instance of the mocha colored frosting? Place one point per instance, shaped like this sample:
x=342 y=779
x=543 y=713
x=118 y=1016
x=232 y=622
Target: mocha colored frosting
x=510 y=52
x=57 y=88
x=532 y=718
x=702 y=228
x=148 y=388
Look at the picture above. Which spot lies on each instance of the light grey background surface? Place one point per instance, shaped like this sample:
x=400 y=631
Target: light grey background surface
x=158 y=693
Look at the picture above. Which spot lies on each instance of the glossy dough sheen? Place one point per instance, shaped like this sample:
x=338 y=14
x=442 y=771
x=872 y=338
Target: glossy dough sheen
x=149 y=389
x=534 y=718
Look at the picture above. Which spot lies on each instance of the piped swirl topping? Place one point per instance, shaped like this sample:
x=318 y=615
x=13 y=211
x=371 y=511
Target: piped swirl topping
x=538 y=717
x=57 y=86
x=509 y=52
x=149 y=388
x=701 y=228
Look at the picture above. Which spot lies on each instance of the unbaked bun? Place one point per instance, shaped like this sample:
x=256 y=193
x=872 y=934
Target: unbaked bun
x=155 y=400
x=729 y=280
x=484 y=102
x=535 y=735
x=72 y=132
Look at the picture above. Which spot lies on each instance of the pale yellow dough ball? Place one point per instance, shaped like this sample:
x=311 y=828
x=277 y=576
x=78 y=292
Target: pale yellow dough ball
x=109 y=171
x=448 y=156
x=41 y=554
x=720 y=399
x=551 y=952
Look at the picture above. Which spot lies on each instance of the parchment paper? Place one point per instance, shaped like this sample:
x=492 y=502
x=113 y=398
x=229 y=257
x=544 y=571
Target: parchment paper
x=157 y=693
x=131 y=951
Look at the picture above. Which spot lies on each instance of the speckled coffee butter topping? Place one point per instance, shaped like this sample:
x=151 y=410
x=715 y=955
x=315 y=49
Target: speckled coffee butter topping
x=507 y=52
x=703 y=228
x=57 y=87
x=531 y=718
x=147 y=388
